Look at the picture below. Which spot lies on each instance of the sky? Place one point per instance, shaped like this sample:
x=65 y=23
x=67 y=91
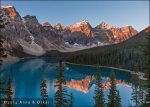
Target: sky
x=116 y=13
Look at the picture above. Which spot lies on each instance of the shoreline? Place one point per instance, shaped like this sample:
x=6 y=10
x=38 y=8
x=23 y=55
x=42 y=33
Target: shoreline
x=16 y=59
x=100 y=66
x=141 y=75
x=10 y=59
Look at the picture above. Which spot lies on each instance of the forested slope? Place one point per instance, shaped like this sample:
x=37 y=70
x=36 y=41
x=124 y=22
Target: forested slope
x=122 y=55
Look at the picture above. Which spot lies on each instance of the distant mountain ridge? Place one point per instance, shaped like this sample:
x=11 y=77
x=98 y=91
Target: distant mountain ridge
x=84 y=34
x=124 y=55
x=29 y=36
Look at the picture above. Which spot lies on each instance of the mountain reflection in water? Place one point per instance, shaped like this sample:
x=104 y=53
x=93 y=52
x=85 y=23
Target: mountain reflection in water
x=85 y=84
x=27 y=75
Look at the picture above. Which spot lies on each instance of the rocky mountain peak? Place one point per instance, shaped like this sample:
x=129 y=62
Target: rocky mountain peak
x=114 y=34
x=11 y=10
x=6 y=6
x=46 y=24
x=83 y=27
x=58 y=26
x=104 y=25
x=78 y=24
x=36 y=39
x=65 y=27
x=31 y=19
x=84 y=22
x=123 y=33
x=147 y=30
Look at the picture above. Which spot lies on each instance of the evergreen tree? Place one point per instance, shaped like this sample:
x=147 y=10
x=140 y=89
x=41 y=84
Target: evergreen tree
x=71 y=100
x=146 y=60
x=61 y=93
x=99 y=95
x=135 y=86
x=2 y=51
x=113 y=96
x=2 y=55
x=112 y=93
x=123 y=55
x=9 y=94
x=118 y=99
x=141 y=93
x=44 y=94
x=2 y=91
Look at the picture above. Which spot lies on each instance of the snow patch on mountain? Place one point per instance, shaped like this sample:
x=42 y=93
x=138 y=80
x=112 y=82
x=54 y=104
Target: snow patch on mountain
x=76 y=44
x=32 y=38
x=23 y=20
x=105 y=25
x=99 y=43
x=84 y=21
x=67 y=43
x=6 y=6
x=78 y=24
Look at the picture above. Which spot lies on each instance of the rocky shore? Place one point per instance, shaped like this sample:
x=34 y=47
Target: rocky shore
x=10 y=59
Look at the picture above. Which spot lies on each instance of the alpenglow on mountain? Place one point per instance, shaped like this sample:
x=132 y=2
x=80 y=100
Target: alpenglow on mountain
x=26 y=34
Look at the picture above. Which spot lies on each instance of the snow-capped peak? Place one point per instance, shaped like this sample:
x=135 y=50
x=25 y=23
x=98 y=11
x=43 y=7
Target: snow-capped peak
x=85 y=21
x=105 y=25
x=78 y=24
x=6 y=6
x=127 y=25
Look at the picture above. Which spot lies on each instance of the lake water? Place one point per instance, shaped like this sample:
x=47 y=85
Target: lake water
x=27 y=76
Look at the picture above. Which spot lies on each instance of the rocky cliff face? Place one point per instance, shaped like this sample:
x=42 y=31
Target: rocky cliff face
x=82 y=33
x=58 y=26
x=10 y=11
x=83 y=27
x=15 y=28
x=122 y=34
x=46 y=24
x=106 y=32
x=147 y=30
x=28 y=34
x=34 y=38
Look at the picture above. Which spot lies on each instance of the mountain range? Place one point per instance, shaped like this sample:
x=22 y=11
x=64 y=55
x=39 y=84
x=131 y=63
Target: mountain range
x=26 y=35
x=126 y=54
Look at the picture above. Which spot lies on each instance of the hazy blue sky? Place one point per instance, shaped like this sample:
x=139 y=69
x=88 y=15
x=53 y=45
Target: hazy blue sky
x=116 y=13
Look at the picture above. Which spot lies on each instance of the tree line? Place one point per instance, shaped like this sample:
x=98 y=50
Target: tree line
x=121 y=55
x=6 y=91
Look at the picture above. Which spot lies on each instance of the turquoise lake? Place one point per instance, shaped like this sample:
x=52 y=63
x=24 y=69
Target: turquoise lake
x=27 y=76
